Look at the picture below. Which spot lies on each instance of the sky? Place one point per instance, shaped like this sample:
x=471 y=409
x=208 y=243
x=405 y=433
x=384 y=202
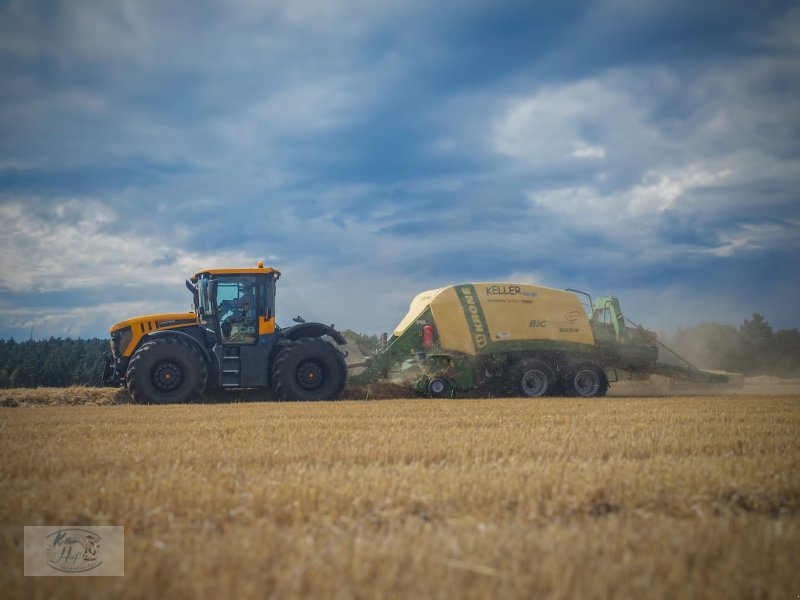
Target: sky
x=372 y=150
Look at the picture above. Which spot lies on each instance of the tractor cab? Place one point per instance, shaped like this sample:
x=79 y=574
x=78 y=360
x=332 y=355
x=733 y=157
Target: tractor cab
x=237 y=309
x=238 y=305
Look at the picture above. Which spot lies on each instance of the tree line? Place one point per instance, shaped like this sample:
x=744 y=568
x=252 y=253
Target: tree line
x=753 y=348
x=55 y=362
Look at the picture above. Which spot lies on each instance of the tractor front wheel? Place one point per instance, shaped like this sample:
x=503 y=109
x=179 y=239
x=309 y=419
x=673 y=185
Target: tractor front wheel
x=166 y=371
x=309 y=369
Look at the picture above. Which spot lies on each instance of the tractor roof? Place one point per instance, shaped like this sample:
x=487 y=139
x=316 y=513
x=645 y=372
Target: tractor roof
x=260 y=270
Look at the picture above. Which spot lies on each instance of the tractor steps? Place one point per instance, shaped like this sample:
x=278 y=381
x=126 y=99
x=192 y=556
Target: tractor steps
x=231 y=370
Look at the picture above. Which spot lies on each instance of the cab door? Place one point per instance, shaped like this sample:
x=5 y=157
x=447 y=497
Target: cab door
x=243 y=361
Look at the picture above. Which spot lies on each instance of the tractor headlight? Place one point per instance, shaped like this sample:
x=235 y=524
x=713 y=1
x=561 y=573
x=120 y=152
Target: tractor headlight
x=120 y=340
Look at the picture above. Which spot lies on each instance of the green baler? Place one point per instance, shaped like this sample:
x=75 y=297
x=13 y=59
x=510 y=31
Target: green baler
x=518 y=339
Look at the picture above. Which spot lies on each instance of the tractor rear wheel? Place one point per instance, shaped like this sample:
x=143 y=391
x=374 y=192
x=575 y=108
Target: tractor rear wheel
x=532 y=378
x=166 y=371
x=309 y=369
x=586 y=380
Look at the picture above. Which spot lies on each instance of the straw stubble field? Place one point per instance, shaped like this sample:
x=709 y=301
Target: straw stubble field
x=621 y=497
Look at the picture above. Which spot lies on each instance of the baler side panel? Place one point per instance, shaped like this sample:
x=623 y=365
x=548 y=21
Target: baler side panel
x=483 y=318
x=516 y=312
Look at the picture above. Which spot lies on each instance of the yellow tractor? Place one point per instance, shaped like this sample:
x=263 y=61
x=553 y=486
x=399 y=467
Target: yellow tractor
x=231 y=340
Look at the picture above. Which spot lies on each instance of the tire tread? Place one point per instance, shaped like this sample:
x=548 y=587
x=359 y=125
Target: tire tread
x=283 y=381
x=139 y=365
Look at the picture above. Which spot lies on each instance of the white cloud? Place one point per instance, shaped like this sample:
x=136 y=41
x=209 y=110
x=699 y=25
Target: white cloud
x=660 y=192
x=655 y=193
x=80 y=243
x=591 y=119
x=750 y=237
x=584 y=150
x=640 y=123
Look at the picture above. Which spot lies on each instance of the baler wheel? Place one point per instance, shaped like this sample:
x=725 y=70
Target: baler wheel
x=439 y=388
x=586 y=380
x=532 y=378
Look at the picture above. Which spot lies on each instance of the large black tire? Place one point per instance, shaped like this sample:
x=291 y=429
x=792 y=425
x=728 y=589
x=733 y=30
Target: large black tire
x=309 y=369
x=584 y=379
x=166 y=371
x=532 y=378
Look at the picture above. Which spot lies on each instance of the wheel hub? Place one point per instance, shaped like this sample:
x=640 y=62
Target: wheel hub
x=587 y=382
x=310 y=375
x=534 y=383
x=167 y=376
x=437 y=387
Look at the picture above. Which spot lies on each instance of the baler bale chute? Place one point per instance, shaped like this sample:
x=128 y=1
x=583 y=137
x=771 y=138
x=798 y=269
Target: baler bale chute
x=518 y=339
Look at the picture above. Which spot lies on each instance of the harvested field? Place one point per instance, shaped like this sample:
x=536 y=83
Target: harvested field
x=76 y=395
x=655 y=386
x=563 y=498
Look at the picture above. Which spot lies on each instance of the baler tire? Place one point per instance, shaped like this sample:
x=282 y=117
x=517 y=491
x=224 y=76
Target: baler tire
x=439 y=388
x=584 y=380
x=304 y=363
x=158 y=364
x=532 y=378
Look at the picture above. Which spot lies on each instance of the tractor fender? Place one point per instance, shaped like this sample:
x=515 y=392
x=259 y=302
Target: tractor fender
x=312 y=330
x=177 y=333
